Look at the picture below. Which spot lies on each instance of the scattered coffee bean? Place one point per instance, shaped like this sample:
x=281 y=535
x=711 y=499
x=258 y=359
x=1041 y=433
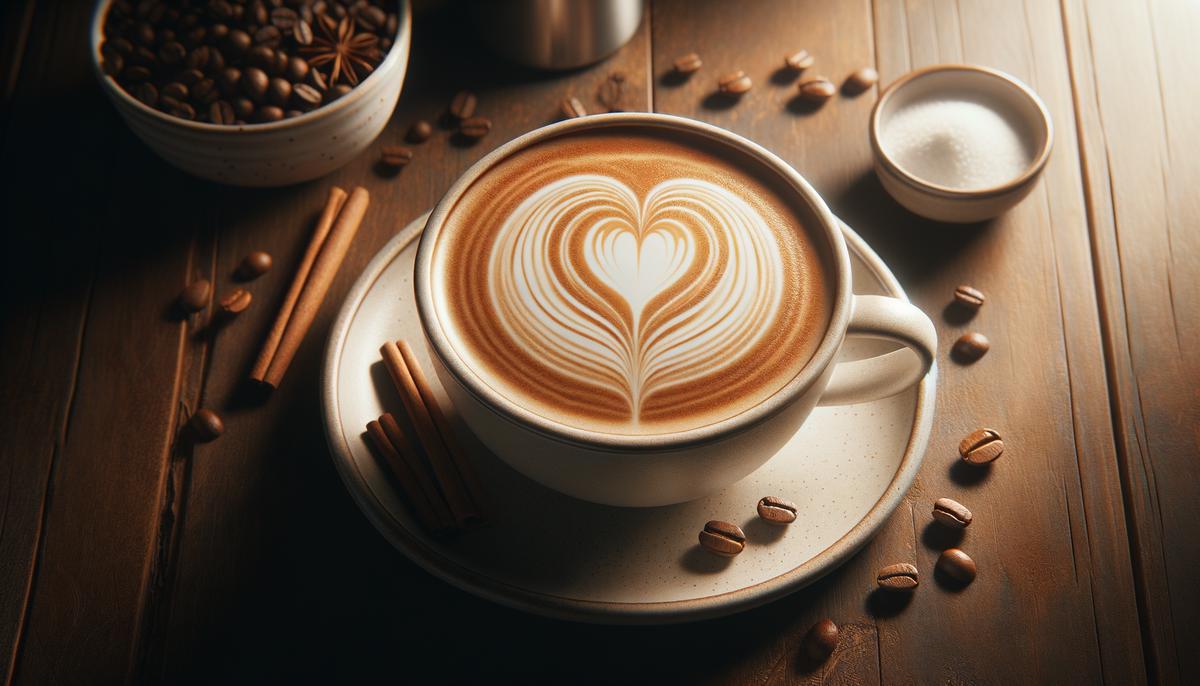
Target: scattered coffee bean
x=235 y=301
x=611 y=92
x=254 y=265
x=419 y=132
x=396 y=155
x=816 y=89
x=571 y=108
x=970 y=347
x=821 y=640
x=194 y=296
x=981 y=446
x=688 y=64
x=951 y=513
x=463 y=105
x=723 y=538
x=777 y=510
x=957 y=565
x=861 y=80
x=966 y=296
x=475 y=127
x=735 y=83
x=206 y=425
x=799 y=60
x=898 y=577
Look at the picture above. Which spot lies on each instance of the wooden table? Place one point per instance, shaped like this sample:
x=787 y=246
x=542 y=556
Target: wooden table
x=124 y=558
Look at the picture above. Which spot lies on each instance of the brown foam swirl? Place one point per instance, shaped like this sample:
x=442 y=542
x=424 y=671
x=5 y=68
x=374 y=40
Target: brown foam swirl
x=628 y=293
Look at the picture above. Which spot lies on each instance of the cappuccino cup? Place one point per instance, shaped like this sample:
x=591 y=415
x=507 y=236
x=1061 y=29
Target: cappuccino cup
x=640 y=309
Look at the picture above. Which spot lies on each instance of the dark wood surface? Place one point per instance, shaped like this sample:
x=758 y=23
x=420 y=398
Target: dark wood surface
x=124 y=558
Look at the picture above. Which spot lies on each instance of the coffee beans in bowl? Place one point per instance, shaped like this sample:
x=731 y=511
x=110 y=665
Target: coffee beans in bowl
x=253 y=92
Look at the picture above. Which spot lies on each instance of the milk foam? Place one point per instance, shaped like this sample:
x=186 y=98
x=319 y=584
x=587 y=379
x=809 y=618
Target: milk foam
x=634 y=296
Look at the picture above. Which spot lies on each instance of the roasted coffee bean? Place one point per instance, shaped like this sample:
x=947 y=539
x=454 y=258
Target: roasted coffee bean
x=284 y=18
x=722 y=538
x=238 y=42
x=317 y=80
x=392 y=25
x=194 y=296
x=182 y=110
x=228 y=81
x=475 y=127
x=205 y=92
x=292 y=114
x=968 y=297
x=777 y=510
x=571 y=108
x=860 y=80
x=816 y=89
x=951 y=513
x=821 y=640
x=268 y=113
x=256 y=12
x=220 y=9
x=221 y=112
x=611 y=92
x=189 y=77
x=268 y=36
x=243 y=108
x=135 y=74
x=302 y=33
x=898 y=577
x=235 y=302
x=113 y=65
x=206 y=425
x=688 y=64
x=463 y=105
x=798 y=61
x=279 y=68
x=145 y=56
x=372 y=18
x=296 y=70
x=171 y=54
x=254 y=84
x=175 y=90
x=957 y=565
x=262 y=57
x=254 y=265
x=970 y=347
x=143 y=34
x=396 y=155
x=305 y=96
x=735 y=83
x=147 y=93
x=419 y=132
x=218 y=32
x=279 y=91
x=981 y=446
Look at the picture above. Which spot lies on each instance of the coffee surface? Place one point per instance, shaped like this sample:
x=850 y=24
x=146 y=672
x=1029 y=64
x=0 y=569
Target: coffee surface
x=631 y=281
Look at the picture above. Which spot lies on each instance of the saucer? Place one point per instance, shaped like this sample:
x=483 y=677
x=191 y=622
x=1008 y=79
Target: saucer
x=847 y=468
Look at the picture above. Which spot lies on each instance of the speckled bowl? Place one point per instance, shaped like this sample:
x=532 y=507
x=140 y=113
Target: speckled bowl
x=274 y=154
x=1002 y=92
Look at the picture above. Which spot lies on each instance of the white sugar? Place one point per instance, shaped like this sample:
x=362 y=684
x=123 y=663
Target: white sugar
x=957 y=143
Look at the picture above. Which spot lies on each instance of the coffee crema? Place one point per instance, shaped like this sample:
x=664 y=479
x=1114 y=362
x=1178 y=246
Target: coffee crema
x=632 y=281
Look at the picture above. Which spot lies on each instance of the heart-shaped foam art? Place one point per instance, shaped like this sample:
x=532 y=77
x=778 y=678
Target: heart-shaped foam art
x=635 y=296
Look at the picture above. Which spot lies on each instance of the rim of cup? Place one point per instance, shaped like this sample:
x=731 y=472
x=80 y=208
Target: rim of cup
x=510 y=410
x=1042 y=125
x=399 y=45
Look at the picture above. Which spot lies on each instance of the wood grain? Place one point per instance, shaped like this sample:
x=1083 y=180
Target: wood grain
x=1137 y=130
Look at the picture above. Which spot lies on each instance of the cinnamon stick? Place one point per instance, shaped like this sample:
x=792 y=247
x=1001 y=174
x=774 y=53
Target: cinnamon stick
x=408 y=453
x=413 y=494
x=457 y=455
x=461 y=507
x=320 y=266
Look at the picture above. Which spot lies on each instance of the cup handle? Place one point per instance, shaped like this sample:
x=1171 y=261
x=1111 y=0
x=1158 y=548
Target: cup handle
x=877 y=316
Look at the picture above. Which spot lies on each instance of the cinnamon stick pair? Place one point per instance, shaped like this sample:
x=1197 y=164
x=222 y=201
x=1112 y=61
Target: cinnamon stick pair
x=336 y=228
x=457 y=488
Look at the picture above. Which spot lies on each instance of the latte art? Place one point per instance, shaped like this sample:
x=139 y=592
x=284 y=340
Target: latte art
x=630 y=282
x=632 y=296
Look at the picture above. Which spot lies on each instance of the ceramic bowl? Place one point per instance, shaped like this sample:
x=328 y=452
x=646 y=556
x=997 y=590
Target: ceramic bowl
x=274 y=154
x=999 y=91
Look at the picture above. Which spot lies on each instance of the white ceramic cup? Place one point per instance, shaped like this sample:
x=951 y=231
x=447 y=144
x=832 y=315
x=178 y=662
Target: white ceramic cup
x=660 y=469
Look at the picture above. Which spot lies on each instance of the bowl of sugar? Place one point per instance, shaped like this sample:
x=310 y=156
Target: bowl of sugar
x=959 y=143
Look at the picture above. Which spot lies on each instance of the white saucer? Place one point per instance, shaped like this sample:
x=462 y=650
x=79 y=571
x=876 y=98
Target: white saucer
x=544 y=552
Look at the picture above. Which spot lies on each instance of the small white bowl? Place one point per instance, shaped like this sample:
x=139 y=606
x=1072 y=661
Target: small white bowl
x=274 y=154
x=999 y=91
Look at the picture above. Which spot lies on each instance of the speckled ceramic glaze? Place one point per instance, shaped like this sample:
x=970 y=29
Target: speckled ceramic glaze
x=847 y=469
x=274 y=154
